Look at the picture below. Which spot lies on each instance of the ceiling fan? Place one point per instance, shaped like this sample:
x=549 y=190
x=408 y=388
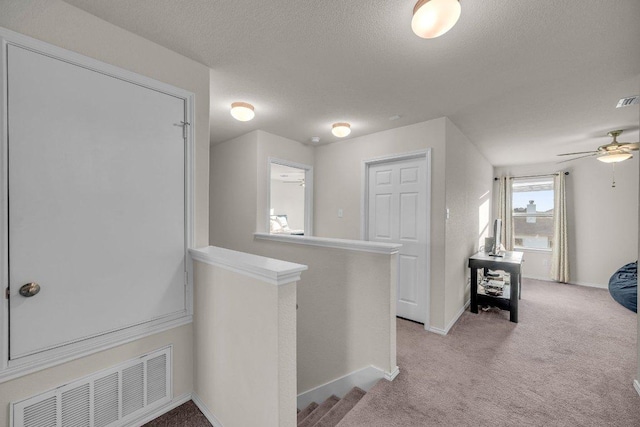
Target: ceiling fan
x=612 y=152
x=299 y=181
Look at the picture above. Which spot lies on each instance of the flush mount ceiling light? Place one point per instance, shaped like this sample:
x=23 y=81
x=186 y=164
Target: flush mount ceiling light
x=341 y=129
x=615 y=156
x=242 y=111
x=433 y=18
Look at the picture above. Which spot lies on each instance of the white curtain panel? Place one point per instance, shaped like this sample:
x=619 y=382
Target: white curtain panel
x=560 y=252
x=505 y=211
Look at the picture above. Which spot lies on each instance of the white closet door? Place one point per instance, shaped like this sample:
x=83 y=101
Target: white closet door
x=96 y=202
x=397 y=214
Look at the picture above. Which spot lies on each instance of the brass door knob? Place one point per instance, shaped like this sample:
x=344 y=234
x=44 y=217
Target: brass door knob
x=29 y=290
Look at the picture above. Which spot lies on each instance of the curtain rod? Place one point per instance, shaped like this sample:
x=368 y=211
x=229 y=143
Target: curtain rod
x=533 y=176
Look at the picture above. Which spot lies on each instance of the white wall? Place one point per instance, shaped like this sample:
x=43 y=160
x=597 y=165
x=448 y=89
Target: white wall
x=63 y=25
x=469 y=179
x=239 y=185
x=460 y=180
x=338 y=185
x=233 y=197
x=602 y=221
x=345 y=322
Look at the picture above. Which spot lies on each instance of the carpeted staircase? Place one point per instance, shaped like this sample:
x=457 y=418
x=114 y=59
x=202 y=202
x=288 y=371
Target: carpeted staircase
x=331 y=411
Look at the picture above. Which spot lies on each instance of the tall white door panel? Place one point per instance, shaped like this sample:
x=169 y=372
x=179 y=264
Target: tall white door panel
x=397 y=214
x=96 y=169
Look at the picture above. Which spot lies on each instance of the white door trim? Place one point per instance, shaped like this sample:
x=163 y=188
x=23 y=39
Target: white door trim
x=364 y=208
x=14 y=369
x=308 y=192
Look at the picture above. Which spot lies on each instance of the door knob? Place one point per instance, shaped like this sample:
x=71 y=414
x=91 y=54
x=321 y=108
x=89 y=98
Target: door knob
x=29 y=290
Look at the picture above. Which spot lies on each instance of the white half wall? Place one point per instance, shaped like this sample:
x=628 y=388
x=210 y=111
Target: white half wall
x=602 y=221
x=245 y=347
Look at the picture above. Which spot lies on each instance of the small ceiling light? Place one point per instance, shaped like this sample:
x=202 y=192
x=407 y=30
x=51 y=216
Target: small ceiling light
x=615 y=157
x=242 y=111
x=341 y=129
x=433 y=18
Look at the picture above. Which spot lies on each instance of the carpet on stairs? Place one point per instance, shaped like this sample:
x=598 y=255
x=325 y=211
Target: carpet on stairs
x=340 y=409
x=306 y=411
x=330 y=412
x=319 y=412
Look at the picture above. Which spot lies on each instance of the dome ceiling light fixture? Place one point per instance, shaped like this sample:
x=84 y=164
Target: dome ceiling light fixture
x=433 y=18
x=242 y=111
x=341 y=129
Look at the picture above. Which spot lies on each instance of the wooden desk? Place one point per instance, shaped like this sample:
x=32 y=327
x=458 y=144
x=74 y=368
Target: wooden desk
x=510 y=262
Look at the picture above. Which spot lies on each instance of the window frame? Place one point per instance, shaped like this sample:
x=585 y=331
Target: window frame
x=528 y=215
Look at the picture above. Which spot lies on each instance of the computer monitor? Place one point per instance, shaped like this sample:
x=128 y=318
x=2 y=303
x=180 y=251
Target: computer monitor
x=497 y=237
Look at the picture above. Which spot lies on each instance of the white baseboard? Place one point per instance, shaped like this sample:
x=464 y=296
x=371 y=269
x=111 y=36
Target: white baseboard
x=390 y=376
x=636 y=385
x=453 y=321
x=207 y=413
x=172 y=404
x=587 y=284
x=364 y=378
x=590 y=285
x=544 y=279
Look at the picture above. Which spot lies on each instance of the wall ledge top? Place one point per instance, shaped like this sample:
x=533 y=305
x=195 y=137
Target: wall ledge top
x=350 y=245
x=273 y=271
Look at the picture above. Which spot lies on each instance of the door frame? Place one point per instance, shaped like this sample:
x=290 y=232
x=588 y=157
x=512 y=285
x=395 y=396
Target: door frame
x=29 y=364
x=308 y=193
x=364 y=209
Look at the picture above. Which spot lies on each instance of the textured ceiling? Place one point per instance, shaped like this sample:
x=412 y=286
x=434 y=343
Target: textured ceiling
x=524 y=80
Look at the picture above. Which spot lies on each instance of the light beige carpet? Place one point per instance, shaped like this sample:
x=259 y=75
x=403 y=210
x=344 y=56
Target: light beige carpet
x=570 y=361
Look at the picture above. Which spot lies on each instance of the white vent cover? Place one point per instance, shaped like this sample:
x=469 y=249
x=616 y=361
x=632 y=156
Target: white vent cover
x=631 y=100
x=110 y=398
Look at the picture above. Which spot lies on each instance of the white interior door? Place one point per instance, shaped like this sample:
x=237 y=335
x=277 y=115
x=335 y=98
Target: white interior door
x=397 y=214
x=96 y=172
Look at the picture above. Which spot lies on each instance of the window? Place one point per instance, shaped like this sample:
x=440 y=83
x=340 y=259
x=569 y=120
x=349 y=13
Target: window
x=533 y=213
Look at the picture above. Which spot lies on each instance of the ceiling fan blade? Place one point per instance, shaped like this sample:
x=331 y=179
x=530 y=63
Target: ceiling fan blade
x=579 y=152
x=576 y=158
x=634 y=146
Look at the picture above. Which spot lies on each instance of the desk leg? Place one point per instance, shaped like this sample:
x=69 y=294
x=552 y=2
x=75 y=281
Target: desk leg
x=474 y=290
x=515 y=296
x=519 y=287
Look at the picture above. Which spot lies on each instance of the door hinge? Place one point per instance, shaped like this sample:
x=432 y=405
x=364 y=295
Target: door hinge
x=7 y=292
x=184 y=129
x=186 y=278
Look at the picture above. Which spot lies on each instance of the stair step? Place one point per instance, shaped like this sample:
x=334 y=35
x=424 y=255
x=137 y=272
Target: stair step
x=340 y=409
x=319 y=412
x=306 y=411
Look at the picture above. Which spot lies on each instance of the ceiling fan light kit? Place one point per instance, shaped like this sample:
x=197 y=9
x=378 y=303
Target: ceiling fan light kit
x=433 y=18
x=614 y=157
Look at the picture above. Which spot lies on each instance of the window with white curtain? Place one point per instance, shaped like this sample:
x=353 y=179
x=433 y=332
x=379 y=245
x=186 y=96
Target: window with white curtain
x=533 y=211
